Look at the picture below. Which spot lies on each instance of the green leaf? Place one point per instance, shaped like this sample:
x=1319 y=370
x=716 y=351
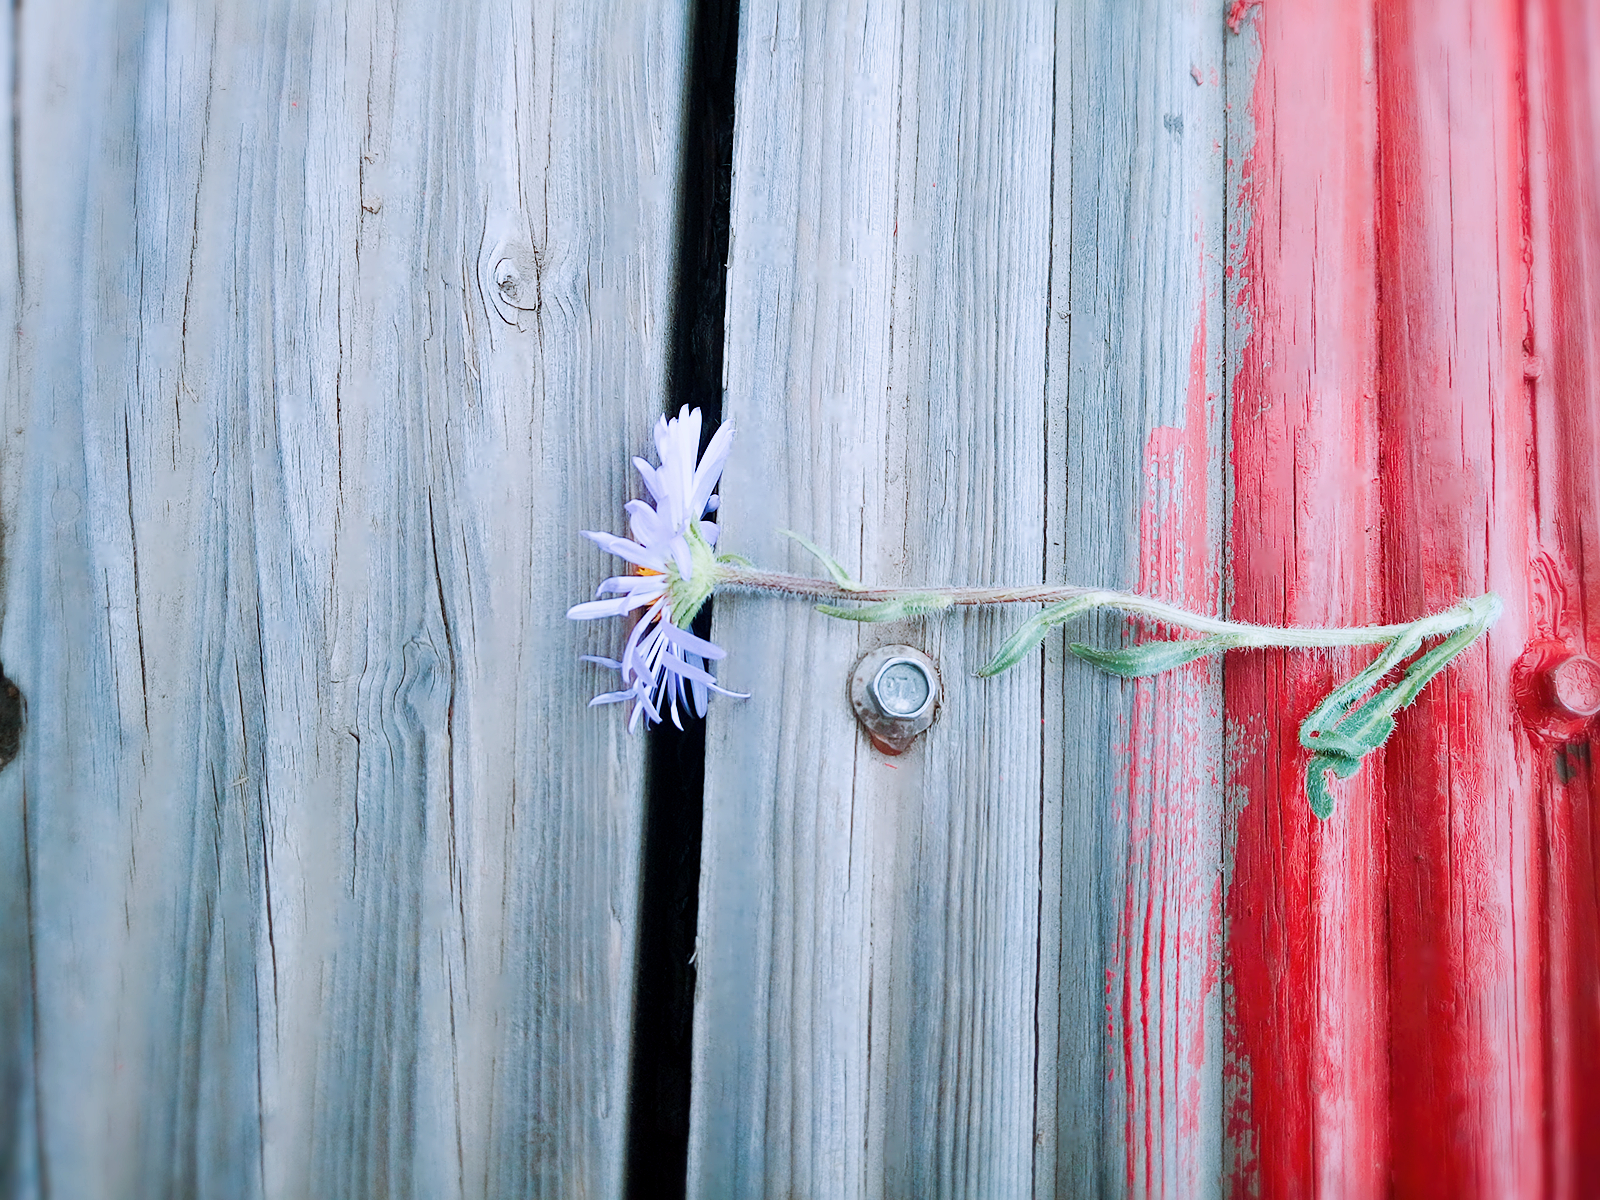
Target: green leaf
x=840 y=575
x=1017 y=646
x=1152 y=658
x=1340 y=732
x=735 y=560
x=1322 y=719
x=1353 y=739
x=1317 y=786
x=899 y=609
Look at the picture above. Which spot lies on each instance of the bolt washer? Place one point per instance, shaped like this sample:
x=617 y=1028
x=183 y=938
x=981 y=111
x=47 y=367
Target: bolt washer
x=887 y=719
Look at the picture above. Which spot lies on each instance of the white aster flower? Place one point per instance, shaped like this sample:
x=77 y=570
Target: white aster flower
x=671 y=547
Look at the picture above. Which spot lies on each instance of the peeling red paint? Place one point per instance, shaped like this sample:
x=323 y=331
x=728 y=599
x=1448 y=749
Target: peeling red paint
x=1238 y=11
x=1168 y=932
x=1563 y=383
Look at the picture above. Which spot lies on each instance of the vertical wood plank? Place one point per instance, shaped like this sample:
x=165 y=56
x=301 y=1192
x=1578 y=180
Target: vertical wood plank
x=903 y=962
x=1467 y=1080
x=1307 y=909
x=18 y=1158
x=334 y=327
x=1133 y=815
x=868 y=941
x=1563 y=344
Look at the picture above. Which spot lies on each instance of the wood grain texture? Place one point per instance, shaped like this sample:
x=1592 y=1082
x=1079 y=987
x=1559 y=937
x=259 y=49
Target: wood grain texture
x=903 y=962
x=1132 y=780
x=1467 y=1081
x=1563 y=373
x=868 y=938
x=1307 y=907
x=333 y=328
x=1440 y=930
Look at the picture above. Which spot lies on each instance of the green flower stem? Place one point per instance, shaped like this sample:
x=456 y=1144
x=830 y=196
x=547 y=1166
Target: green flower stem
x=1248 y=636
x=1354 y=720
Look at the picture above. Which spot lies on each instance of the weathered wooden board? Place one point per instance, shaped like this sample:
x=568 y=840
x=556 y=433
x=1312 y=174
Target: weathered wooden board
x=1132 y=788
x=1414 y=981
x=1308 y=1063
x=334 y=325
x=974 y=335
x=1466 y=1088
x=1563 y=373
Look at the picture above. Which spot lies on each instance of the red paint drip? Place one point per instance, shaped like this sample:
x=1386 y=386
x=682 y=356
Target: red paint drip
x=1169 y=926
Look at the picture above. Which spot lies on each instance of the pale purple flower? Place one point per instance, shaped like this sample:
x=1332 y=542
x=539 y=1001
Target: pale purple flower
x=662 y=662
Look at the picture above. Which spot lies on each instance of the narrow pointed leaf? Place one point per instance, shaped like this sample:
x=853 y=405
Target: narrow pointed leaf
x=900 y=609
x=840 y=575
x=1341 y=732
x=1031 y=633
x=1152 y=658
x=1317 y=790
x=1338 y=702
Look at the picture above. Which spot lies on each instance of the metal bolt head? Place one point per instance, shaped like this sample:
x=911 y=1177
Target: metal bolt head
x=1575 y=686
x=895 y=694
x=902 y=689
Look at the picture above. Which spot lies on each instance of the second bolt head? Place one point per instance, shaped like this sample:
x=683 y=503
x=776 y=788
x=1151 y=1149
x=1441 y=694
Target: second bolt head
x=1575 y=686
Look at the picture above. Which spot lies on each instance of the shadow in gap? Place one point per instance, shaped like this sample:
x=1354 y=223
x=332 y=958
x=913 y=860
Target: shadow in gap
x=658 y=1091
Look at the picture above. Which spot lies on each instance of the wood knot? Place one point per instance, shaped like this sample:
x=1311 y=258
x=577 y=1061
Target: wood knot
x=513 y=286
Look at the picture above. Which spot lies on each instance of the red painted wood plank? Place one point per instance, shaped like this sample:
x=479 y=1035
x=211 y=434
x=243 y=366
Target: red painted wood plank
x=1563 y=372
x=1308 y=1055
x=1466 y=1011
x=1412 y=1001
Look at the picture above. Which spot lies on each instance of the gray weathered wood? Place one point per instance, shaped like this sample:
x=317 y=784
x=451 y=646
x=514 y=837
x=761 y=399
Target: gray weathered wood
x=975 y=260
x=869 y=927
x=334 y=325
x=1133 y=783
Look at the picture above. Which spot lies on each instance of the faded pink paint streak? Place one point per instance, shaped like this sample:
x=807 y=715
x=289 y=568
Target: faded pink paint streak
x=1169 y=928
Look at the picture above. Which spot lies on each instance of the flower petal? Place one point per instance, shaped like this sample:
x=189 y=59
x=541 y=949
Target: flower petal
x=680 y=554
x=652 y=479
x=685 y=640
x=686 y=670
x=638 y=555
x=593 y=610
x=632 y=585
x=650 y=624
x=643 y=697
x=648 y=525
x=710 y=469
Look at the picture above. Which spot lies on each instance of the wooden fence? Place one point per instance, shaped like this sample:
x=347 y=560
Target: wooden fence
x=335 y=323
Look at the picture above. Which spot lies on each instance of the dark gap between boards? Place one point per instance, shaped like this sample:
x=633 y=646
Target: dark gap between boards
x=664 y=979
